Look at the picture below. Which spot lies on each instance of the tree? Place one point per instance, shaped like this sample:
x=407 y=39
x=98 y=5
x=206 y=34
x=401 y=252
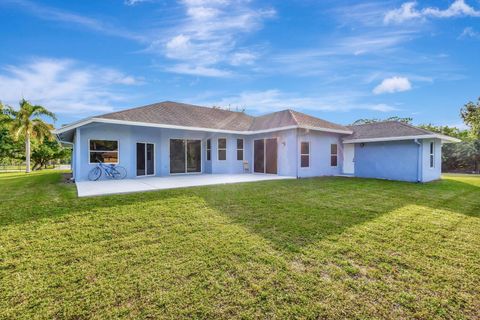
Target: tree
x=471 y=116
x=48 y=150
x=463 y=156
x=394 y=118
x=8 y=147
x=27 y=123
x=446 y=130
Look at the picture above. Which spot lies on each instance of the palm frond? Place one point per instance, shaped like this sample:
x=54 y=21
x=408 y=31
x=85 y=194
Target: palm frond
x=41 y=111
x=41 y=130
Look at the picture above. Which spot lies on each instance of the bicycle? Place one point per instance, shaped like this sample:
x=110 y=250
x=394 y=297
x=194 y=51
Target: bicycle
x=111 y=171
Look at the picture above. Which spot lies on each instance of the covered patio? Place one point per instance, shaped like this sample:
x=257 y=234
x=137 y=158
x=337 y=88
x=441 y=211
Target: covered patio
x=106 y=187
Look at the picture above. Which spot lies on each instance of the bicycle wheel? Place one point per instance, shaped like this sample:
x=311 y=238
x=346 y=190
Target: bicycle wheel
x=118 y=172
x=94 y=174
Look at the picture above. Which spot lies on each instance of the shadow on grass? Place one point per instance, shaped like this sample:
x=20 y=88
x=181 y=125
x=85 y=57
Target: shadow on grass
x=288 y=213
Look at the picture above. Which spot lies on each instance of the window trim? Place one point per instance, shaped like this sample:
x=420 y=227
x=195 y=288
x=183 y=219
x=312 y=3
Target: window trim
x=305 y=154
x=118 y=151
x=333 y=154
x=208 y=150
x=243 y=149
x=218 y=149
x=431 y=155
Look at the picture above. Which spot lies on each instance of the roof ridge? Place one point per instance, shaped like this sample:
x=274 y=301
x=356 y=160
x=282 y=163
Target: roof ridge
x=293 y=116
x=415 y=127
x=162 y=103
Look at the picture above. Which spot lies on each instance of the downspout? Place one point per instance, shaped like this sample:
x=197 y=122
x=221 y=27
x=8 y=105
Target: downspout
x=420 y=160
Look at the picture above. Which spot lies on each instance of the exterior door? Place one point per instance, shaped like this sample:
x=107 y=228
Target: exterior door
x=348 y=158
x=145 y=159
x=185 y=156
x=259 y=156
x=265 y=156
x=271 y=156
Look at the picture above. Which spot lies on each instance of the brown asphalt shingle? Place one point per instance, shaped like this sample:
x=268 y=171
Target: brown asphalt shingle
x=385 y=129
x=180 y=114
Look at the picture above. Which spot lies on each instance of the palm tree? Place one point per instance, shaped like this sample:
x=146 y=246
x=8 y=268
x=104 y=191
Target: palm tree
x=27 y=123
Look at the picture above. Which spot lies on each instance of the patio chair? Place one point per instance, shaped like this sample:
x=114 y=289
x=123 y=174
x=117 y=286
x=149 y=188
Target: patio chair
x=246 y=167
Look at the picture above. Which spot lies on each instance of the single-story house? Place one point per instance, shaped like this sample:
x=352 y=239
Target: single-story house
x=170 y=138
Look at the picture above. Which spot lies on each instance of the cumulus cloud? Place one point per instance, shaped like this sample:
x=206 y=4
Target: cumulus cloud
x=63 y=85
x=409 y=11
x=393 y=84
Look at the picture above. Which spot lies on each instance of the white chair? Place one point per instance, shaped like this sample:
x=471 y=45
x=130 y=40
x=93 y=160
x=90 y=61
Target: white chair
x=246 y=167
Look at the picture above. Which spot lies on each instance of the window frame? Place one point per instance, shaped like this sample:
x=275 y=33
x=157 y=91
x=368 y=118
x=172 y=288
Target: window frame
x=431 y=155
x=118 y=151
x=243 y=149
x=305 y=154
x=218 y=149
x=334 y=155
x=208 y=149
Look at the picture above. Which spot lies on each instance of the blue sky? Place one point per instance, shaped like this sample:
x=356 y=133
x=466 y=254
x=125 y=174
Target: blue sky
x=331 y=59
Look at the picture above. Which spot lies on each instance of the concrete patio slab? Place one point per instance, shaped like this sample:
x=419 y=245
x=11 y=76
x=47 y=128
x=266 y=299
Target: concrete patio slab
x=106 y=187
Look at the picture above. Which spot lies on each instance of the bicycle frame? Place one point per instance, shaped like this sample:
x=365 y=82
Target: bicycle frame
x=108 y=169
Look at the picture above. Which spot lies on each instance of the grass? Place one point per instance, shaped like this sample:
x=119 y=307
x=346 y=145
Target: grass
x=312 y=248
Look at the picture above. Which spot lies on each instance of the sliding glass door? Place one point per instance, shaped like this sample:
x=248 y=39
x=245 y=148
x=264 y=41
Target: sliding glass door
x=265 y=156
x=185 y=156
x=145 y=159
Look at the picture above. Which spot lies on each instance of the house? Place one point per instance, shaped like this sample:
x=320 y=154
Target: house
x=170 y=138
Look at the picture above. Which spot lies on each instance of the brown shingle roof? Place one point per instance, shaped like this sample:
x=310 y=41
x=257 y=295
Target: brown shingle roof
x=385 y=129
x=180 y=114
x=187 y=115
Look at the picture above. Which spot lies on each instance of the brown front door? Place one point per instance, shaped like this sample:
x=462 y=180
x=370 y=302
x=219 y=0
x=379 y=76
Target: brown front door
x=259 y=156
x=271 y=156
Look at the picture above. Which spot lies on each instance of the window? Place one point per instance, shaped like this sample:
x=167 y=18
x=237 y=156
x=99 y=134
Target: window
x=239 y=149
x=333 y=155
x=305 y=154
x=432 y=154
x=105 y=151
x=222 y=149
x=209 y=149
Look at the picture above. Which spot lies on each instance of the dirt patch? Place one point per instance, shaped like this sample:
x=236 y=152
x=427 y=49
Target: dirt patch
x=67 y=178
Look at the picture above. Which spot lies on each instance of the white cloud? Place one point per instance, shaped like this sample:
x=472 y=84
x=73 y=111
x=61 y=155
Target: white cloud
x=199 y=71
x=393 y=84
x=469 y=32
x=54 y=14
x=457 y=8
x=275 y=100
x=134 y=2
x=208 y=37
x=63 y=86
x=408 y=11
x=243 y=58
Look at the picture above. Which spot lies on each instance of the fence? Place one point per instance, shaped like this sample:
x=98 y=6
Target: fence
x=22 y=167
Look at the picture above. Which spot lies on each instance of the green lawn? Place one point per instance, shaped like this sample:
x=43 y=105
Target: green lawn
x=312 y=248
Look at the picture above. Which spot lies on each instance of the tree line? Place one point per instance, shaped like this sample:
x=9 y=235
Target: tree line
x=25 y=135
x=456 y=157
